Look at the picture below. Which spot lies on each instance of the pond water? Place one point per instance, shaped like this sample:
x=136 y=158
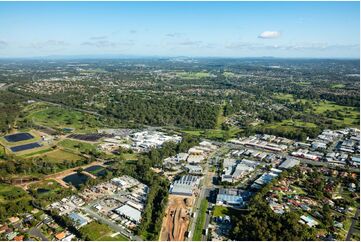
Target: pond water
x=25 y=147
x=42 y=190
x=97 y=170
x=76 y=179
x=18 y=137
x=93 y=168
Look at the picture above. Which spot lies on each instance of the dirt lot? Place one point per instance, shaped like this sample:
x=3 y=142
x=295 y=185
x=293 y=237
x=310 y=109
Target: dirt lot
x=176 y=220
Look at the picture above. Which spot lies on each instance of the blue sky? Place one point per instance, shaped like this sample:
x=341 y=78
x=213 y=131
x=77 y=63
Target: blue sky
x=234 y=29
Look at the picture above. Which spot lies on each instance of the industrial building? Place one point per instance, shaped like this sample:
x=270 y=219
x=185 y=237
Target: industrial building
x=185 y=186
x=231 y=197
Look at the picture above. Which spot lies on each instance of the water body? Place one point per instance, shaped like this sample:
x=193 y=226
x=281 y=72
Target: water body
x=96 y=170
x=18 y=137
x=76 y=179
x=42 y=190
x=25 y=147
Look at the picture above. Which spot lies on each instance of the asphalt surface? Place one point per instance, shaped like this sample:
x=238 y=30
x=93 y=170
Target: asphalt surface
x=352 y=227
x=111 y=224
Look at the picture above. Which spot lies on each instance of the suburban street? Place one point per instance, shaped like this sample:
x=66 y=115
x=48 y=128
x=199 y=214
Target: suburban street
x=352 y=227
x=111 y=224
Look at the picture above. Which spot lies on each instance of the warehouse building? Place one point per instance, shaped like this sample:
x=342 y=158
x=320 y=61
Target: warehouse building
x=185 y=186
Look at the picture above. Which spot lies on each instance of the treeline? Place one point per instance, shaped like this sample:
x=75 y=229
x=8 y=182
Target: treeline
x=163 y=110
x=34 y=166
x=10 y=107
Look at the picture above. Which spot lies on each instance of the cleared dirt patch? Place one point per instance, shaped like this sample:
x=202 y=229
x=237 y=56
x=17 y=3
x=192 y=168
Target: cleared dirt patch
x=176 y=220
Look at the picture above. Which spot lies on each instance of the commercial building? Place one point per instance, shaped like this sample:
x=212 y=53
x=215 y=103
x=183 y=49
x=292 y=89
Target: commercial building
x=231 y=197
x=289 y=163
x=185 y=186
x=130 y=213
x=194 y=169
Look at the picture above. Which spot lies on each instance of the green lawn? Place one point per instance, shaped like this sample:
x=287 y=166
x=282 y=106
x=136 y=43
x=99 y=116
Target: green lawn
x=61 y=155
x=100 y=232
x=130 y=156
x=192 y=75
x=9 y=193
x=289 y=124
x=201 y=219
x=46 y=189
x=58 y=117
x=38 y=152
x=220 y=211
x=351 y=114
x=77 y=145
x=338 y=85
x=214 y=133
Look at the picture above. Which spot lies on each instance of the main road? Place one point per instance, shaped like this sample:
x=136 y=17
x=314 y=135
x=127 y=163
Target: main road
x=206 y=187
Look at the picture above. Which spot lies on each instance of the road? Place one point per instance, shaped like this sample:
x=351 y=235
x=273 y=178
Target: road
x=208 y=220
x=111 y=224
x=202 y=195
x=206 y=187
x=352 y=227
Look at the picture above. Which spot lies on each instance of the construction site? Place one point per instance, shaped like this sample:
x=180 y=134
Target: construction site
x=176 y=220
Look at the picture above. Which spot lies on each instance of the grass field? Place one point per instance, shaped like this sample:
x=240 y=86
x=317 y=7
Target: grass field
x=96 y=232
x=46 y=189
x=339 y=85
x=9 y=193
x=57 y=117
x=350 y=115
x=61 y=155
x=214 y=133
x=2 y=150
x=130 y=156
x=37 y=152
x=220 y=211
x=201 y=219
x=290 y=125
x=77 y=145
x=192 y=75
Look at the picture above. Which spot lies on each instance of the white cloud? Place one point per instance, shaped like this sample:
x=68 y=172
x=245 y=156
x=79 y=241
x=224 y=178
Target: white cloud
x=269 y=35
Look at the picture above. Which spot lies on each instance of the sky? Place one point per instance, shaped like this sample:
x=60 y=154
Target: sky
x=204 y=29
